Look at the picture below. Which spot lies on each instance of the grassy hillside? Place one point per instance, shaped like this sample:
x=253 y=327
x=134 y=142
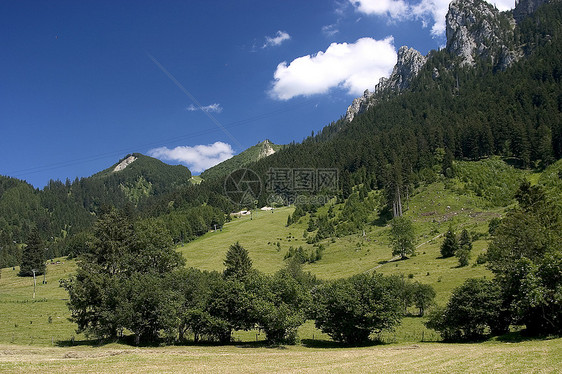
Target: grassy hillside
x=433 y=208
x=28 y=323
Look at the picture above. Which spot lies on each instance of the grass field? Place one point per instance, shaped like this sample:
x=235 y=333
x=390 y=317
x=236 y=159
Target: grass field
x=497 y=357
x=433 y=209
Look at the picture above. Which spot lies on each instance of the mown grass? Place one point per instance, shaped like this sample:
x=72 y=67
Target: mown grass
x=524 y=357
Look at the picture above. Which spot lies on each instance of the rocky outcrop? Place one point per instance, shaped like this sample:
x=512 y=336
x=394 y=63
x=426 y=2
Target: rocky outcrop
x=408 y=65
x=266 y=149
x=126 y=162
x=477 y=30
x=358 y=105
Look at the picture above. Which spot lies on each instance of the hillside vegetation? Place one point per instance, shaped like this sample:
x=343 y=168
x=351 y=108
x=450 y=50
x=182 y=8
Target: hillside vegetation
x=433 y=209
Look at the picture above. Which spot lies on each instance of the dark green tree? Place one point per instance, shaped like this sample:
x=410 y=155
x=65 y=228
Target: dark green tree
x=423 y=296
x=465 y=241
x=450 y=245
x=149 y=307
x=463 y=254
x=280 y=305
x=524 y=256
x=119 y=283
x=238 y=263
x=472 y=309
x=230 y=308
x=402 y=237
x=33 y=256
x=350 y=310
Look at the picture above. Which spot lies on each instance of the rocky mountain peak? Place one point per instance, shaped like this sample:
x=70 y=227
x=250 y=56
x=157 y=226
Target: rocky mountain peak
x=476 y=30
x=266 y=149
x=408 y=65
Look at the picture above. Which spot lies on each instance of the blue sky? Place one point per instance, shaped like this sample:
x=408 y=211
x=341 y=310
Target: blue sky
x=83 y=83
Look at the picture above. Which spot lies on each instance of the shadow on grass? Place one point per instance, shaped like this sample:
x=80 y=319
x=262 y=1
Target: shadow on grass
x=130 y=341
x=398 y=259
x=522 y=336
x=313 y=343
x=89 y=342
x=259 y=344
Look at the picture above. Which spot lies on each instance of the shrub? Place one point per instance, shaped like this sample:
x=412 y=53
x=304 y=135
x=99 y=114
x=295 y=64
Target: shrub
x=350 y=310
x=473 y=308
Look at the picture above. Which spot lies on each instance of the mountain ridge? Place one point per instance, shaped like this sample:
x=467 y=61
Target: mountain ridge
x=475 y=31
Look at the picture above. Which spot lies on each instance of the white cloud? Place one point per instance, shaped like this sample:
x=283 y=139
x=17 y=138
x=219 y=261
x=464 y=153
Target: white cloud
x=330 y=30
x=197 y=158
x=503 y=5
x=431 y=12
x=393 y=8
x=355 y=67
x=216 y=108
x=280 y=37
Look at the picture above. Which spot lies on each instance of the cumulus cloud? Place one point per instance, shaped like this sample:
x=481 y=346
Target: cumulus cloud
x=216 y=108
x=392 y=8
x=279 y=38
x=354 y=67
x=197 y=158
x=431 y=12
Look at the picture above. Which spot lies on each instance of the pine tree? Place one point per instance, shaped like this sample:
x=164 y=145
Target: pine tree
x=450 y=244
x=238 y=263
x=465 y=241
x=463 y=254
x=33 y=257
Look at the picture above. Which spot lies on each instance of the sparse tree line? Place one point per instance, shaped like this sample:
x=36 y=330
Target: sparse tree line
x=131 y=280
x=525 y=256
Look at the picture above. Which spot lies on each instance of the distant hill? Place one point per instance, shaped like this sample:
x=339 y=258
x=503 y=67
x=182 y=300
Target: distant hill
x=60 y=209
x=139 y=176
x=250 y=155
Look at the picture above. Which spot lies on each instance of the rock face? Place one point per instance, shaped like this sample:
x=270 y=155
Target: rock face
x=126 y=162
x=408 y=65
x=358 y=105
x=477 y=30
x=266 y=149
